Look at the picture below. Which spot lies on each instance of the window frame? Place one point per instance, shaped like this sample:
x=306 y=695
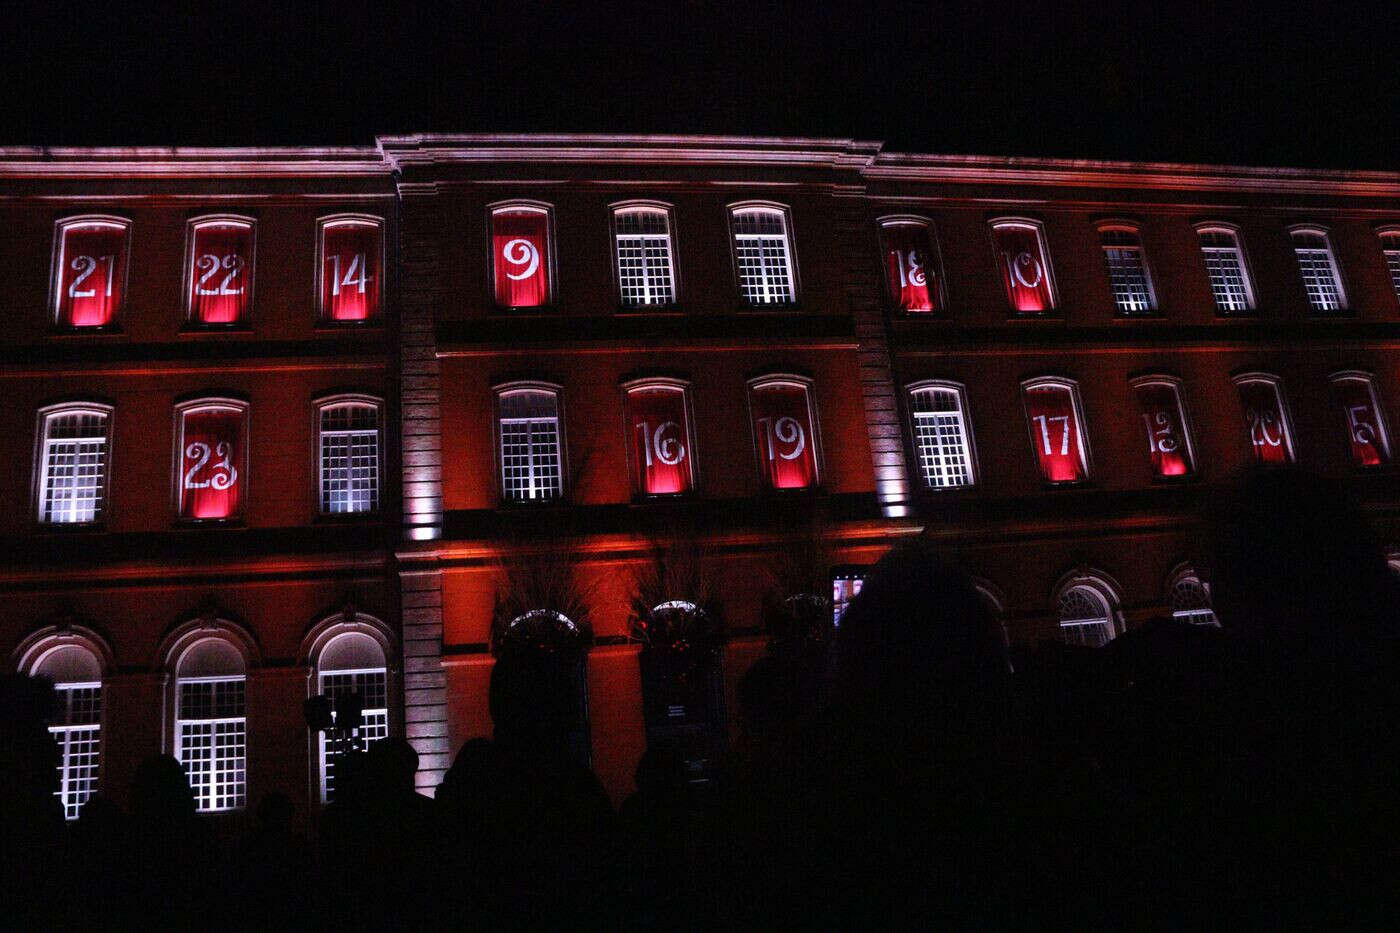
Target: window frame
x=192 y=225
x=1184 y=573
x=1099 y=584
x=685 y=387
x=935 y=261
x=1038 y=226
x=56 y=263
x=349 y=218
x=175 y=648
x=1116 y=225
x=320 y=405
x=200 y=403
x=551 y=255
x=1285 y=415
x=959 y=390
x=1188 y=429
x=668 y=211
x=1246 y=270
x=1393 y=274
x=38 y=470
x=784 y=211
x=1343 y=308
x=498 y=391
x=818 y=460
x=1369 y=380
x=1086 y=451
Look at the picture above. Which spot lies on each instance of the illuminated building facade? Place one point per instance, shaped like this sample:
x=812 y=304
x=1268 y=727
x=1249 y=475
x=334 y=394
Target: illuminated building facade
x=287 y=422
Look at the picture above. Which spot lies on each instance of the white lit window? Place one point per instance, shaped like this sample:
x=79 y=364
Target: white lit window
x=1085 y=617
x=1127 y=270
x=1390 y=246
x=531 y=444
x=644 y=263
x=211 y=725
x=77 y=724
x=73 y=463
x=1190 y=602
x=1319 y=270
x=353 y=662
x=763 y=255
x=1225 y=265
x=349 y=456
x=941 y=436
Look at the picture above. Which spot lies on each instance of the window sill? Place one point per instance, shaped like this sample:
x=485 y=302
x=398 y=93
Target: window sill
x=1043 y=317
x=646 y=310
x=349 y=518
x=62 y=529
x=216 y=330
x=106 y=332
x=338 y=327
x=196 y=523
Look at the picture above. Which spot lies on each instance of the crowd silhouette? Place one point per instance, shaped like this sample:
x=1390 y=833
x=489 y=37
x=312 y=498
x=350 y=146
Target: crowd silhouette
x=904 y=774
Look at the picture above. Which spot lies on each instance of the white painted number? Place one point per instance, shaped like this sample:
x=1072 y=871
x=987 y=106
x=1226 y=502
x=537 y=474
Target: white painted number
x=1160 y=436
x=656 y=444
x=1022 y=264
x=85 y=266
x=520 y=252
x=350 y=280
x=210 y=264
x=1264 y=428
x=199 y=452
x=1045 y=433
x=911 y=268
x=1362 y=431
x=785 y=431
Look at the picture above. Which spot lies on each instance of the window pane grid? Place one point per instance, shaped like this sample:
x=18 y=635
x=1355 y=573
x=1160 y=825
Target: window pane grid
x=644 y=258
x=75 y=468
x=372 y=686
x=1190 y=603
x=213 y=741
x=530 y=464
x=1084 y=619
x=1318 y=271
x=350 y=459
x=78 y=735
x=1126 y=272
x=941 y=439
x=1225 y=267
x=761 y=247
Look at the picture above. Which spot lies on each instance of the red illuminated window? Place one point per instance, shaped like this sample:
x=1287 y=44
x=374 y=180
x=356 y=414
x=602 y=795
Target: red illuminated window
x=1266 y=418
x=1366 y=430
x=784 y=428
x=660 y=438
x=521 y=255
x=219 y=264
x=211 y=457
x=1056 y=425
x=1164 y=424
x=89 y=271
x=1318 y=266
x=1025 y=265
x=352 y=267
x=912 y=271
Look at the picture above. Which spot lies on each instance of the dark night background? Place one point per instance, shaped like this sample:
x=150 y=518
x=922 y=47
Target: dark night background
x=1276 y=84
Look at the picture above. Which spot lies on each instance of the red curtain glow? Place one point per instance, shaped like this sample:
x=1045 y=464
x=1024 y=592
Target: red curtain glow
x=350 y=273
x=1166 y=432
x=1264 y=417
x=1363 y=423
x=660 y=440
x=221 y=273
x=782 y=426
x=1055 y=433
x=908 y=263
x=1025 y=269
x=91 y=274
x=211 y=463
x=520 y=251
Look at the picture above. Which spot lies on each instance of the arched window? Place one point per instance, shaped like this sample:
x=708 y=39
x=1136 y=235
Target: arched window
x=522 y=254
x=785 y=432
x=1025 y=264
x=660 y=437
x=1164 y=423
x=942 y=434
x=1127 y=269
x=913 y=272
x=763 y=254
x=1367 y=436
x=1266 y=417
x=352 y=662
x=211 y=724
x=1055 y=419
x=351 y=276
x=74 y=442
x=219 y=264
x=530 y=442
x=350 y=447
x=74 y=660
x=1226 y=267
x=1322 y=280
x=1087 y=612
x=211 y=457
x=646 y=274
x=1189 y=599
x=1390 y=249
x=540 y=683
x=89 y=270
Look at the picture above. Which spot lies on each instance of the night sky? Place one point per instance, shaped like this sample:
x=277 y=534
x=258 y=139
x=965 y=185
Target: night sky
x=1277 y=84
